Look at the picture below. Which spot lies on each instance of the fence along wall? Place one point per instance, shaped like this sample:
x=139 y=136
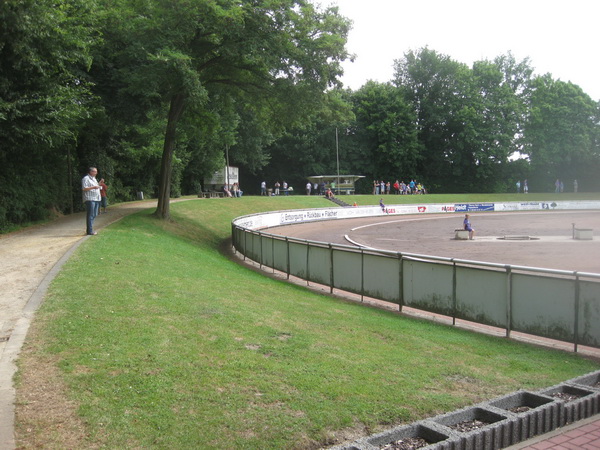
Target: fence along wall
x=557 y=304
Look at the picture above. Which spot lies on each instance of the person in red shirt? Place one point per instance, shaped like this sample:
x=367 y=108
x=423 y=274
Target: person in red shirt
x=103 y=198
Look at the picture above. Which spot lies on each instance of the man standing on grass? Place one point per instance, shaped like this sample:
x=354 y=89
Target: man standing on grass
x=91 y=197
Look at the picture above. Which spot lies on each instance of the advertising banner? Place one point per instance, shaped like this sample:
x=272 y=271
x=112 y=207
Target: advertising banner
x=273 y=219
x=469 y=207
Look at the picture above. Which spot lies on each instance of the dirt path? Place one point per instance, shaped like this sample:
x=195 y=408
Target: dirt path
x=29 y=260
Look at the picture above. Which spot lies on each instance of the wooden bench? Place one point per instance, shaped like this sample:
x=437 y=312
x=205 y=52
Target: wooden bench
x=211 y=194
x=461 y=234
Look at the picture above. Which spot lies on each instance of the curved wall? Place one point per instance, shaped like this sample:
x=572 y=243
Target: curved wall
x=557 y=304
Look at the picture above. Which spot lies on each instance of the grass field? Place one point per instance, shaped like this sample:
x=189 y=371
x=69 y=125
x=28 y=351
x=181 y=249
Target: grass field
x=153 y=337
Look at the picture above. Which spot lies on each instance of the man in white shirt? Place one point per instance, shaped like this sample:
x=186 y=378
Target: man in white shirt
x=91 y=197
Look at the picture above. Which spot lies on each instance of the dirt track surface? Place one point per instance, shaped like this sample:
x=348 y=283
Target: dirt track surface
x=26 y=259
x=433 y=234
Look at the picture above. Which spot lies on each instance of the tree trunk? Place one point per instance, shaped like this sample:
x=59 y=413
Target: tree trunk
x=164 y=187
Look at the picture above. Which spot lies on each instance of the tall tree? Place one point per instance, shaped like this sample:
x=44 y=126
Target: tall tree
x=385 y=132
x=44 y=49
x=562 y=133
x=438 y=88
x=276 y=56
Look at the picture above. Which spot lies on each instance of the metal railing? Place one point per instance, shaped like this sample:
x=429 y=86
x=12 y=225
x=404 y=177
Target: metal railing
x=557 y=304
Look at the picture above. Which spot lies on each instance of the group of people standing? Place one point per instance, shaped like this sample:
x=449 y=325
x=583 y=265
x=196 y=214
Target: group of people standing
x=277 y=188
x=525 y=187
x=399 y=187
x=94 y=198
x=559 y=186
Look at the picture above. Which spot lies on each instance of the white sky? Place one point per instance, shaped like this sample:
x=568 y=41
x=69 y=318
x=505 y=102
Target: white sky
x=559 y=37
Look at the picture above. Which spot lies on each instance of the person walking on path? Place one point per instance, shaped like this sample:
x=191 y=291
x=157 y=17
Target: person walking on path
x=468 y=227
x=91 y=197
x=103 y=197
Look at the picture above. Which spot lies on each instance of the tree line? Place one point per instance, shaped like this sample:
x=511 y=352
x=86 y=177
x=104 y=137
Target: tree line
x=154 y=92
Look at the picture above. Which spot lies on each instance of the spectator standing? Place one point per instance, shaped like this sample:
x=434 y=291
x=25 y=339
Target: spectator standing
x=308 y=188
x=277 y=186
x=396 y=187
x=103 y=197
x=562 y=187
x=263 y=188
x=387 y=188
x=557 y=186
x=518 y=184
x=525 y=187
x=575 y=186
x=91 y=197
x=285 y=188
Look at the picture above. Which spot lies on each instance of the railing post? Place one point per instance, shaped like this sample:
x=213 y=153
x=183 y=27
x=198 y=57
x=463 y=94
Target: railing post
x=273 y=253
x=234 y=239
x=331 y=280
x=362 y=274
x=245 y=243
x=307 y=263
x=508 y=300
x=260 y=241
x=576 y=321
x=453 y=292
x=401 y=282
x=287 y=246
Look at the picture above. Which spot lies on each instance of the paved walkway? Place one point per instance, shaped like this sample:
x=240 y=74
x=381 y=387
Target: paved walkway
x=29 y=261
x=584 y=434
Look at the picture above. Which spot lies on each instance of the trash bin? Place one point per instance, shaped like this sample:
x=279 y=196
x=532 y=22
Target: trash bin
x=269 y=192
x=140 y=195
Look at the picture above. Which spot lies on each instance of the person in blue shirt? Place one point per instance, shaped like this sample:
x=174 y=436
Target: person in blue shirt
x=468 y=227
x=382 y=205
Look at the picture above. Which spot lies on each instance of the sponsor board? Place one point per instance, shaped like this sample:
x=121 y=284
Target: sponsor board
x=307 y=216
x=469 y=207
x=273 y=219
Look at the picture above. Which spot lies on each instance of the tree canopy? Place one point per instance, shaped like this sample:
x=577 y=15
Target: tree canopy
x=154 y=93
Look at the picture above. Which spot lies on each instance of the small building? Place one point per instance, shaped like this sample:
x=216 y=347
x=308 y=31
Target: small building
x=342 y=184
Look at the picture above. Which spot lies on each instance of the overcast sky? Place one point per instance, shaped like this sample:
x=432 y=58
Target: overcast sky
x=559 y=37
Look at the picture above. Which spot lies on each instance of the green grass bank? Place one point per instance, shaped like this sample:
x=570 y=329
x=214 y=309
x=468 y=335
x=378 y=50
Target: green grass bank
x=160 y=340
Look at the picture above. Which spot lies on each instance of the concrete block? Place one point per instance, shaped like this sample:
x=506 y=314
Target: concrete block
x=430 y=432
x=586 y=405
x=496 y=434
x=583 y=234
x=590 y=381
x=461 y=235
x=543 y=414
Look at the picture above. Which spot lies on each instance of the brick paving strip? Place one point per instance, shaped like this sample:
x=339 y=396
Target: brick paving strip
x=584 y=434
